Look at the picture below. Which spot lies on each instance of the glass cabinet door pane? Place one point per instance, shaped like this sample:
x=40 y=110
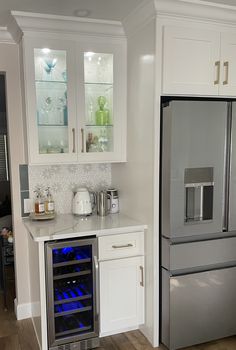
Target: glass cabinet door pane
x=51 y=100
x=98 y=78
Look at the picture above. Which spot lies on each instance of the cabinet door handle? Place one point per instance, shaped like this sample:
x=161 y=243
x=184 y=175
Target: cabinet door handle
x=95 y=260
x=226 y=66
x=122 y=246
x=217 y=65
x=82 y=140
x=142 y=276
x=73 y=135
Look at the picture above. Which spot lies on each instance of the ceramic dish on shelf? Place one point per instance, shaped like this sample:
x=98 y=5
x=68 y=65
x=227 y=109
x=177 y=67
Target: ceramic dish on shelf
x=34 y=216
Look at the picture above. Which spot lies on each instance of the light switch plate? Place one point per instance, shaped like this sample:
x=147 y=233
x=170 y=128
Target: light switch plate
x=27 y=205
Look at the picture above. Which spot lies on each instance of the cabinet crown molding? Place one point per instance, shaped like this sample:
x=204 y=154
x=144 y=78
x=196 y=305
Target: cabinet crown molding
x=5 y=36
x=196 y=9
x=65 y=25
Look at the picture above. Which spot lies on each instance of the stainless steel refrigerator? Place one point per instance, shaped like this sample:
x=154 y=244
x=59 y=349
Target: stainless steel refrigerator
x=198 y=221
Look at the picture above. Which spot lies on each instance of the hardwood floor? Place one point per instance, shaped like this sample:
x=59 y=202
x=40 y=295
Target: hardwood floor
x=19 y=335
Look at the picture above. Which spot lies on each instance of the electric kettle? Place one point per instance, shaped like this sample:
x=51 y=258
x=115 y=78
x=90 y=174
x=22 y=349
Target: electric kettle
x=81 y=203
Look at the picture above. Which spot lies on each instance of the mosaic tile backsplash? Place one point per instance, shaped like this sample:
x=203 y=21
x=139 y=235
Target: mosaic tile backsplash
x=63 y=179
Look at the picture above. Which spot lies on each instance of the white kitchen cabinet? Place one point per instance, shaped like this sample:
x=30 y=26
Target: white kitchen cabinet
x=198 y=61
x=121 y=282
x=75 y=92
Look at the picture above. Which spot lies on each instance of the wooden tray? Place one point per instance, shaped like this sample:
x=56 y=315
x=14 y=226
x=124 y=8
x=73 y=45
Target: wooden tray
x=34 y=216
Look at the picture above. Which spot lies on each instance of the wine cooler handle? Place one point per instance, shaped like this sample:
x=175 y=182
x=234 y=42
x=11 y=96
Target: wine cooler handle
x=95 y=259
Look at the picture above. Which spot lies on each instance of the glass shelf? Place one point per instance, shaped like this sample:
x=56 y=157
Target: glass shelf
x=51 y=82
x=53 y=125
x=99 y=126
x=102 y=83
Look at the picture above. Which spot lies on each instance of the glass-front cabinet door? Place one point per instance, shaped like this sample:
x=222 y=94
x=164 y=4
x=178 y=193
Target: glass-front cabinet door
x=103 y=111
x=98 y=87
x=76 y=101
x=51 y=102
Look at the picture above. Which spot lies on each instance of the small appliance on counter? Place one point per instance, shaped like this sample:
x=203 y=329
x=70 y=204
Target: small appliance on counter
x=114 y=200
x=103 y=204
x=81 y=204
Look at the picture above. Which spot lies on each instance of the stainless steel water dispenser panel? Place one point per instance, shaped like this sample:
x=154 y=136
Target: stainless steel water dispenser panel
x=199 y=189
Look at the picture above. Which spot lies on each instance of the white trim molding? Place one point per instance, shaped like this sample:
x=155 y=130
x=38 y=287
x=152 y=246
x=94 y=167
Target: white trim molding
x=22 y=311
x=65 y=25
x=138 y=18
x=196 y=9
x=5 y=36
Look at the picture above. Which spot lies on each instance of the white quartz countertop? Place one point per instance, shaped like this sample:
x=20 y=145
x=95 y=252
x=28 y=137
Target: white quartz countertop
x=70 y=226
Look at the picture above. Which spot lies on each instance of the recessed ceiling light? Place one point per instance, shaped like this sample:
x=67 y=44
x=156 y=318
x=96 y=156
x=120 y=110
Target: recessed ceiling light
x=82 y=13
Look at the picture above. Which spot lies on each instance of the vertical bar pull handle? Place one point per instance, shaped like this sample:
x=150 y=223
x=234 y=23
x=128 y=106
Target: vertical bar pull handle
x=6 y=157
x=226 y=66
x=217 y=65
x=96 y=284
x=73 y=135
x=142 y=276
x=82 y=138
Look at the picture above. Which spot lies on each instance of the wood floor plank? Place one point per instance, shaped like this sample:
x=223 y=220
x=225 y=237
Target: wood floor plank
x=122 y=342
x=10 y=343
x=27 y=337
x=138 y=340
x=106 y=343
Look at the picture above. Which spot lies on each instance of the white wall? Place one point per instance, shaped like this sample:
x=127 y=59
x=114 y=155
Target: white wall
x=135 y=179
x=9 y=63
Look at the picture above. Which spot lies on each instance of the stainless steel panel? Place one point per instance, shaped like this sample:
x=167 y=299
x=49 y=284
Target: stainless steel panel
x=201 y=307
x=165 y=308
x=198 y=254
x=193 y=137
x=232 y=185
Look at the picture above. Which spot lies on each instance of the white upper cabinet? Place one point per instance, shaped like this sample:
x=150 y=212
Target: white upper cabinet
x=75 y=89
x=190 y=61
x=199 y=61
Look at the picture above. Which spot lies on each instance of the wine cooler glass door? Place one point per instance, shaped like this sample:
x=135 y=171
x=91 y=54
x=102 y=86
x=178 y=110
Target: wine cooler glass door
x=71 y=291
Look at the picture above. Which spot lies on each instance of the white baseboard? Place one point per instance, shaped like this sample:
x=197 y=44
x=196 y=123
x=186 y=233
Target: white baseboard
x=22 y=311
x=145 y=331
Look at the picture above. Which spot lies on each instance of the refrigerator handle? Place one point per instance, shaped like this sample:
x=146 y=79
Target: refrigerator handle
x=228 y=151
x=95 y=259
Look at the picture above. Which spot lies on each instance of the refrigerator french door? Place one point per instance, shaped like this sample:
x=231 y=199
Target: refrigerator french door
x=198 y=221
x=72 y=294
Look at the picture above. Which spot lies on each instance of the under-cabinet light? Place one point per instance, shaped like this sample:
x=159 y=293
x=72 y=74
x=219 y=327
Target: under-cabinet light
x=46 y=50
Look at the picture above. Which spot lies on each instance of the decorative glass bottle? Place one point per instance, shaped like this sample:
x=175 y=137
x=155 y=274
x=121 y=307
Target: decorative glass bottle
x=102 y=114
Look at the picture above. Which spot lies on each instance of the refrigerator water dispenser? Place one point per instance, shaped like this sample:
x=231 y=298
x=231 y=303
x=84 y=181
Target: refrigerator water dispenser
x=199 y=188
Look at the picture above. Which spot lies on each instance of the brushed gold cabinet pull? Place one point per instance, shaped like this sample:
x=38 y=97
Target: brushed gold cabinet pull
x=226 y=66
x=73 y=133
x=217 y=65
x=82 y=139
x=142 y=277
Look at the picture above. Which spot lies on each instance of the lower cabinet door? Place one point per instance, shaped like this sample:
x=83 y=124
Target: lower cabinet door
x=121 y=295
x=198 y=307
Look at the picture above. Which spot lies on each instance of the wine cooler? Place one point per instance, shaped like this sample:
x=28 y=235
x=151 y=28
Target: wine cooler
x=72 y=294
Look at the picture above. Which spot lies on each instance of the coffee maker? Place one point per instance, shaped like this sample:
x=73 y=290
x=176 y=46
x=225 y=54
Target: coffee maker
x=114 y=200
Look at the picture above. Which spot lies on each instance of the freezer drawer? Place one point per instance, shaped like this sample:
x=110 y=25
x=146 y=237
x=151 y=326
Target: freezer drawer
x=198 y=254
x=197 y=308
